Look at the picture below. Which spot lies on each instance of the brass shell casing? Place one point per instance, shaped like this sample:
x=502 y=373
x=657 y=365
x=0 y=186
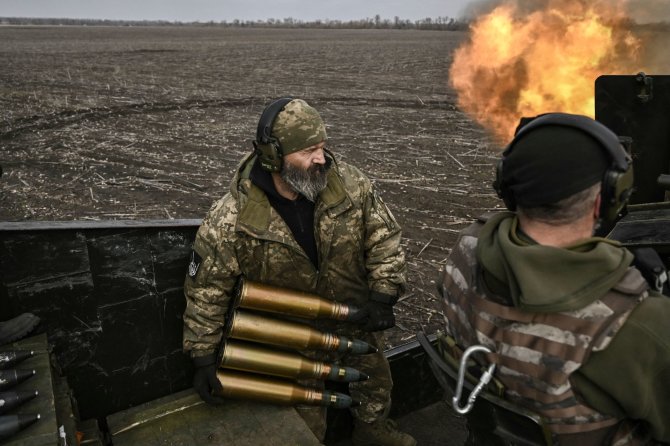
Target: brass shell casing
x=254 y=327
x=267 y=330
x=256 y=358
x=247 y=386
x=270 y=299
x=252 y=357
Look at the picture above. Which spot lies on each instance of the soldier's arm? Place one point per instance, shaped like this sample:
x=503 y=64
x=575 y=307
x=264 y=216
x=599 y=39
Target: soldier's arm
x=631 y=377
x=213 y=273
x=384 y=257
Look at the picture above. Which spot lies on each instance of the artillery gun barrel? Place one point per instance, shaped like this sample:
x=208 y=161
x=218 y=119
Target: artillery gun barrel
x=10 y=378
x=14 y=398
x=253 y=327
x=259 y=388
x=256 y=296
x=256 y=358
x=13 y=357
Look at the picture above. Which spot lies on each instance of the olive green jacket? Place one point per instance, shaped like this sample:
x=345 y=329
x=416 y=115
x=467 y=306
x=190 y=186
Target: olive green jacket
x=631 y=377
x=357 y=237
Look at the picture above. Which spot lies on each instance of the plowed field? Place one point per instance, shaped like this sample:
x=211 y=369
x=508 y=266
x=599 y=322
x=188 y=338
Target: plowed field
x=149 y=123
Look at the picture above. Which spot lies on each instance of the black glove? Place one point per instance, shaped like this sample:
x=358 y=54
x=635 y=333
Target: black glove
x=380 y=312
x=204 y=379
x=652 y=268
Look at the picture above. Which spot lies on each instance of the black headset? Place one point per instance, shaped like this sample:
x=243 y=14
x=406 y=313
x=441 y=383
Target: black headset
x=617 y=182
x=267 y=147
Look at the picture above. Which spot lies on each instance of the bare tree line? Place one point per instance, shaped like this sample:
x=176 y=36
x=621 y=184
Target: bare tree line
x=376 y=22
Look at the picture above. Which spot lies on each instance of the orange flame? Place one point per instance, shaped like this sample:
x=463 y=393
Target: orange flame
x=523 y=63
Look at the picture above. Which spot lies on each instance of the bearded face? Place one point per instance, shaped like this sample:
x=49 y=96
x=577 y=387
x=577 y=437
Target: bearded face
x=308 y=181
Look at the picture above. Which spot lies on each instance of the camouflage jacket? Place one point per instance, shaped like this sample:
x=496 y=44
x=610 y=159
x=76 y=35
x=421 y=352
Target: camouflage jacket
x=538 y=353
x=357 y=237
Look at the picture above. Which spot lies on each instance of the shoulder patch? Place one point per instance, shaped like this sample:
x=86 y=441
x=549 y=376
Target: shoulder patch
x=194 y=264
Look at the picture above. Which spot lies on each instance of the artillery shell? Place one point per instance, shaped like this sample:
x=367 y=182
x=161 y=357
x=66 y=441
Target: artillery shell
x=14 y=398
x=248 y=386
x=256 y=296
x=257 y=358
x=11 y=424
x=10 y=378
x=13 y=357
x=267 y=330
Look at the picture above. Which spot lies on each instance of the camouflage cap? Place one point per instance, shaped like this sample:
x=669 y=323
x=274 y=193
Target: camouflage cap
x=298 y=126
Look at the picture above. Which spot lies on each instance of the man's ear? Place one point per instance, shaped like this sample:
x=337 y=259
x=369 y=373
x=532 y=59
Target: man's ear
x=596 y=206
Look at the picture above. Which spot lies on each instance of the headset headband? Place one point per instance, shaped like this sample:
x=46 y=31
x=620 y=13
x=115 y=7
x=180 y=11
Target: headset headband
x=264 y=131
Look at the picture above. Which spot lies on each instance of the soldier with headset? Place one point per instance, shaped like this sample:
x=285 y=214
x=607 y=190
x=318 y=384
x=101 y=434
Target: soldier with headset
x=576 y=333
x=295 y=217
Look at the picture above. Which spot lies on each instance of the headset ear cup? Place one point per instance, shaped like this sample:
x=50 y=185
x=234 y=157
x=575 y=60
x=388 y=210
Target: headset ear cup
x=269 y=156
x=616 y=189
x=267 y=148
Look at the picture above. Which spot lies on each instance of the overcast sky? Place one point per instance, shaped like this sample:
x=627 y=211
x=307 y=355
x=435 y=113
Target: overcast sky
x=217 y=10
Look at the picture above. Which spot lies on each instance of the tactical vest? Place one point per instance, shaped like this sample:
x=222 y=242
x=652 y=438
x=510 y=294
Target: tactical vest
x=536 y=353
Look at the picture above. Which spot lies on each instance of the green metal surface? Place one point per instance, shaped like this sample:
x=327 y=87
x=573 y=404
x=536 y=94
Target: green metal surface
x=183 y=419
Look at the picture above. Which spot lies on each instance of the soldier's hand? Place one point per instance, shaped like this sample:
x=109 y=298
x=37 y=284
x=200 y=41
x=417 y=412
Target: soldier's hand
x=380 y=316
x=205 y=381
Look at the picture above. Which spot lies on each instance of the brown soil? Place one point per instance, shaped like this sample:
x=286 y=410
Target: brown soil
x=148 y=123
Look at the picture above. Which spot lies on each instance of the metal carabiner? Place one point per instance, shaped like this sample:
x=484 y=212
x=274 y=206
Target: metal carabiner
x=483 y=380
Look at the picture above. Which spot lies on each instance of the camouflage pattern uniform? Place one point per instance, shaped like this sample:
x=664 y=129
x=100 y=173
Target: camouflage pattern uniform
x=358 y=242
x=537 y=352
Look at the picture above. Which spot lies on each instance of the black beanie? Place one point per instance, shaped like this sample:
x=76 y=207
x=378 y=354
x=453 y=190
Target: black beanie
x=552 y=162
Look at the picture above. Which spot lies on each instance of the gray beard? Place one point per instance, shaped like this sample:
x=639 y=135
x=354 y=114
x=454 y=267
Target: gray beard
x=308 y=182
